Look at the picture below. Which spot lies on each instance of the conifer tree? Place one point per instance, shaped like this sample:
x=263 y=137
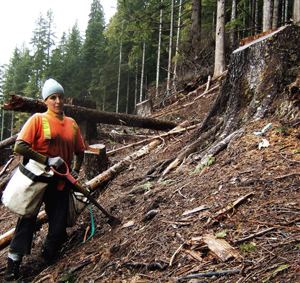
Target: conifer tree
x=94 y=52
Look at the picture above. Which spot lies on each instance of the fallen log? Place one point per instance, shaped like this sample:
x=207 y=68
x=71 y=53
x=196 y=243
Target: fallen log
x=29 y=105
x=7 y=142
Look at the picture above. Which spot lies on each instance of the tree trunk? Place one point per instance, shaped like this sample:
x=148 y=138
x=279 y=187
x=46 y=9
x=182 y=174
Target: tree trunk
x=286 y=11
x=257 y=89
x=170 y=49
x=24 y=104
x=296 y=12
x=196 y=25
x=136 y=84
x=233 y=18
x=119 y=73
x=2 y=124
x=119 y=78
x=275 y=14
x=220 y=40
x=142 y=72
x=177 y=42
x=282 y=12
x=256 y=17
x=267 y=15
x=159 y=48
x=127 y=94
x=103 y=101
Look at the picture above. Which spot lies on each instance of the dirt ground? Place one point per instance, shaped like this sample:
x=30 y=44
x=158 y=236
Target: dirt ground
x=243 y=192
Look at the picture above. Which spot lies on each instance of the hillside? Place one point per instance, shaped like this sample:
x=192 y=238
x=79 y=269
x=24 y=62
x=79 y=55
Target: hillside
x=245 y=199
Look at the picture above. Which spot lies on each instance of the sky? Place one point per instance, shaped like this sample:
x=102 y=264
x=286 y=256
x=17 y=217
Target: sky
x=18 y=20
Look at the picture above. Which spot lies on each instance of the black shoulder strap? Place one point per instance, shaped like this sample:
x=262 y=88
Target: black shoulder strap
x=32 y=176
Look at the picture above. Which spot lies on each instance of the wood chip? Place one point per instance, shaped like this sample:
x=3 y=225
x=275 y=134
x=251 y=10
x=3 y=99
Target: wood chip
x=220 y=247
x=128 y=224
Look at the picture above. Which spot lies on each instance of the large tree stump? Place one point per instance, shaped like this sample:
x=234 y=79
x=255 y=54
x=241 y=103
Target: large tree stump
x=258 y=75
x=260 y=72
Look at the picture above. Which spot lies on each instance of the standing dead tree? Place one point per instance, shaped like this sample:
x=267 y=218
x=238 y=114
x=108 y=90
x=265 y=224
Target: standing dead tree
x=257 y=83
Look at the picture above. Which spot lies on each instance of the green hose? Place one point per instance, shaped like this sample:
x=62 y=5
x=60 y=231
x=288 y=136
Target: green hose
x=92 y=225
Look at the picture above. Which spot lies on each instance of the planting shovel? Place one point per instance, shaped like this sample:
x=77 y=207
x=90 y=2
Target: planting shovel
x=112 y=220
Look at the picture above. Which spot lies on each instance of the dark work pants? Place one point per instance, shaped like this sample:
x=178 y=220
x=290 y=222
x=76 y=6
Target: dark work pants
x=56 y=207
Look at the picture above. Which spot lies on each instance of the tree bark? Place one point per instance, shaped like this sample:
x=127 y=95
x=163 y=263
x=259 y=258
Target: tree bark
x=25 y=104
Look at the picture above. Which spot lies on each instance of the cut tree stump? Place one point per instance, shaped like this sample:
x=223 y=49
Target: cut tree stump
x=95 y=160
x=144 y=108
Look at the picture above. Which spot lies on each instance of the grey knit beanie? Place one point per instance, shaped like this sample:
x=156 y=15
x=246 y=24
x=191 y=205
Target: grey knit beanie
x=51 y=86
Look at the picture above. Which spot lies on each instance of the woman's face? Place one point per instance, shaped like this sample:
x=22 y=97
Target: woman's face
x=55 y=103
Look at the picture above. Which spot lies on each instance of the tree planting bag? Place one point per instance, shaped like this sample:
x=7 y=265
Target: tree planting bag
x=24 y=192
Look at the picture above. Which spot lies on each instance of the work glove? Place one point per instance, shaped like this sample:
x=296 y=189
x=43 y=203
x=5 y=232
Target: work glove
x=55 y=162
x=75 y=174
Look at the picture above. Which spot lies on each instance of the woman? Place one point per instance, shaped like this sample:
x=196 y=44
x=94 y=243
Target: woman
x=49 y=138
